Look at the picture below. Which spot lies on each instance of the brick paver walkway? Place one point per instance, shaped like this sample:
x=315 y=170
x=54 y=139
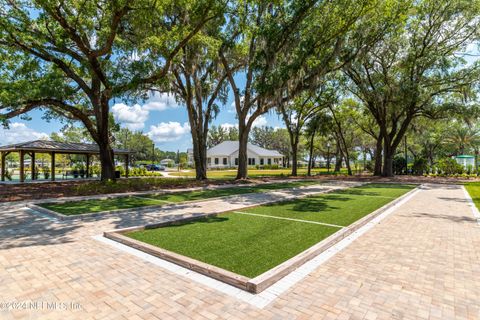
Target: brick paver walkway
x=421 y=262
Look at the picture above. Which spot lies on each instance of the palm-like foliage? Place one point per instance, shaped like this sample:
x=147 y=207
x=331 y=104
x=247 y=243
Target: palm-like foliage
x=463 y=139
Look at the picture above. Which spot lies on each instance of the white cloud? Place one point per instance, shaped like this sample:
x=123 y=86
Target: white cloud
x=132 y=117
x=160 y=102
x=18 y=132
x=227 y=125
x=260 y=122
x=168 y=131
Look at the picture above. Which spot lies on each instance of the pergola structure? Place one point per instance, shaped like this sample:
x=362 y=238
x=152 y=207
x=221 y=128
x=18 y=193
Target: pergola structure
x=52 y=147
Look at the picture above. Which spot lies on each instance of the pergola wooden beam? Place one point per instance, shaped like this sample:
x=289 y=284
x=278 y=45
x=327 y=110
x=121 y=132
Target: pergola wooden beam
x=22 y=166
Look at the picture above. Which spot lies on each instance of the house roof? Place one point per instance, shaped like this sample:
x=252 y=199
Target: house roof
x=59 y=147
x=464 y=156
x=228 y=147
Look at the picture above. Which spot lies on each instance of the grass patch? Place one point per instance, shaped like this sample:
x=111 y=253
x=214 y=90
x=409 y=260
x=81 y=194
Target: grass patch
x=245 y=245
x=250 y=245
x=98 y=205
x=340 y=208
x=473 y=189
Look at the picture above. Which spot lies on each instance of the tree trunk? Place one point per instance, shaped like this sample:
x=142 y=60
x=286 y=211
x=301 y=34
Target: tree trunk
x=200 y=155
x=106 y=161
x=310 y=157
x=377 y=171
x=388 y=165
x=338 y=160
x=103 y=140
x=388 y=153
x=242 y=172
x=294 y=158
x=347 y=163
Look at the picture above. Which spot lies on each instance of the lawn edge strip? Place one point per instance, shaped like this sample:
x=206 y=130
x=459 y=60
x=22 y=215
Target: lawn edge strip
x=472 y=205
x=253 y=285
x=141 y=209
x=80 y=216
x=289 y=219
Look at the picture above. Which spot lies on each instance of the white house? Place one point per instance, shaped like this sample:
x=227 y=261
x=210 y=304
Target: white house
x=225 y=155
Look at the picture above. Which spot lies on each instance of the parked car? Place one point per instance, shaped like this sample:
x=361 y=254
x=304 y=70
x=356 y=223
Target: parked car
x=153 y=167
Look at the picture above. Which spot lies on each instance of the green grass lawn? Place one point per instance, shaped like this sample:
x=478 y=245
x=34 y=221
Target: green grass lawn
x=99 y=205
x=254 y=173
x=250 y=245
x=242 y=244
x=339 y=208
x=473 y=189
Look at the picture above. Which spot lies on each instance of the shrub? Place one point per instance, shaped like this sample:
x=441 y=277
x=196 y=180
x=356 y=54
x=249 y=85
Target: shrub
x=95 y=170
x=470 y=169
x=37 y=172
x=419 y=166
x=121 y=169
x=46 y=173
x=449 y=166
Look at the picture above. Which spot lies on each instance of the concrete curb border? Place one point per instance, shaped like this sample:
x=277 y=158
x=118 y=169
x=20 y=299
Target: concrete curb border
x=263 y=281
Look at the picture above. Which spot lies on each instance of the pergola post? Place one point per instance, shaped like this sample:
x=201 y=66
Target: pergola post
x=3 y=156
x=22 y=166
x=52 y=166
x=32 y=164
x=88 y=165
x=126 y=165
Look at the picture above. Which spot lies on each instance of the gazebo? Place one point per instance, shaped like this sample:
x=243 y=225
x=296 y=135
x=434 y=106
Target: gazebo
x=53 y=147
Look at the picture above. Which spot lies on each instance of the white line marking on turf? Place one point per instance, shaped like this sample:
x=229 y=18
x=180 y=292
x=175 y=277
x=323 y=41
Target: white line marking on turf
x=267 y=296
x=472 y=205
x=289 y=219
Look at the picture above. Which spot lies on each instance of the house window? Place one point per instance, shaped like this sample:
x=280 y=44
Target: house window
x=225 y=161
x=236 y=161
x=269 y=161
x=261 y=161
x=209 y=160
x=216 y=160
x=251 y=161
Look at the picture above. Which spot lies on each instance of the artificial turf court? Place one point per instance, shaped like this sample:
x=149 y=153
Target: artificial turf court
x=129 y=202
x=254 y=240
